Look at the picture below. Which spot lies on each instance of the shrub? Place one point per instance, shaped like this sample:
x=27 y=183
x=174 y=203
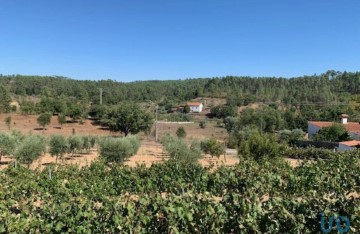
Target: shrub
x=309 y=153
x=61 y=119
x=86 y=144
x=44 y=119
x=291 y=137
x=180 y=132
x=75 y=144
x=223 y=111
x=58 y=146
x=212 y=147
x=179 y=150
x=8 y=121
x=30 y=149
x=202 y=124
x=7 y=144
x=259 y=147
x=116 y=150
x=92 y=141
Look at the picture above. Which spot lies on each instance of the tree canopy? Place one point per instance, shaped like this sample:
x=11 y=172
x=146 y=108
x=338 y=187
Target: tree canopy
x=128 y=118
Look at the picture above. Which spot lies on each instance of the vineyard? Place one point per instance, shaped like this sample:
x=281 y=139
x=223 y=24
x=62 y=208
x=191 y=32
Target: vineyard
x=266 y=196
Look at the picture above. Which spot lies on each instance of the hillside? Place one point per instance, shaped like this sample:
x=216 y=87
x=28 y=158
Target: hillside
x=328 y=87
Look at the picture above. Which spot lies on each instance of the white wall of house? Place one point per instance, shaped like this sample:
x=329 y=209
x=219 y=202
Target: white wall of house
x=197 y=109
x=355 y=136
x=343 y=147
x=312 y=129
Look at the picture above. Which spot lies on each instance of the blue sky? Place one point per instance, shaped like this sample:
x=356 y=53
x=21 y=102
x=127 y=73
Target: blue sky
x=168 y=39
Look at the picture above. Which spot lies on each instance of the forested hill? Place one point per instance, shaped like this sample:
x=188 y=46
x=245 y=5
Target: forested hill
x=327 y=87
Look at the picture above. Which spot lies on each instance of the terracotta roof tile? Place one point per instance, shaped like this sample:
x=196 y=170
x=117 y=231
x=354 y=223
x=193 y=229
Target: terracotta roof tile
x=193 y=103
x=350 y=143
x=350 y=126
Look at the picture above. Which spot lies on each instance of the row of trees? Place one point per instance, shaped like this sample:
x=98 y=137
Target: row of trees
x=26 y=149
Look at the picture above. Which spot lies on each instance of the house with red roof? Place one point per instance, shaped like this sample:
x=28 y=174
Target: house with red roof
x=352 y=127
x=195 y=107
x=348 y=145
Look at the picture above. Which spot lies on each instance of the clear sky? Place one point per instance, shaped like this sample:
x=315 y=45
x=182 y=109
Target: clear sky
x=168 y=39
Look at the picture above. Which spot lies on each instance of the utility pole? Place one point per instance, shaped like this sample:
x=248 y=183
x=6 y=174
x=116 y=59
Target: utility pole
x=261 y=121
x=100 y=96
x=156 y=117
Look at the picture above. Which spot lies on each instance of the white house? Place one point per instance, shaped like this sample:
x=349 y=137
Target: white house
x=348 y=145
x=352 y=127
x=196 y=107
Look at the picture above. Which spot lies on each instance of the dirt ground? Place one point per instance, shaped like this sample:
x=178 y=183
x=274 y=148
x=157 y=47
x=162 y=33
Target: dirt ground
x=149 y=152
x=28 y=124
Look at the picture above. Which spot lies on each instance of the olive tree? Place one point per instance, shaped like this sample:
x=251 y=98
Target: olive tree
x=180 y=132
x=44 y=119
x=8 y=121
x=7 y=144
x=30 y=149
x=179 y=150
x=117 y=150
x=61 y=119
x=58 y=146
x=212 y=147
x=75 y=144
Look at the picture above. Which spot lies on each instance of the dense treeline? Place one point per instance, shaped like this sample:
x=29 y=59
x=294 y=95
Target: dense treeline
x=327 y=87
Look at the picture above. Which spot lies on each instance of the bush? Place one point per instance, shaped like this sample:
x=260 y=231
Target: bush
x=179 y=150
x=86 y=144
x=180 y=132
x=44 y=119
x=8 y=121
x=58 y=146
x=259 y=147
x=116 y=150
x=212 y=147
x=223 y=111
x=75 y=144
x=30 y=149
x=7 y=144
x=309 y=153
x=202 y=124
x=291 y=137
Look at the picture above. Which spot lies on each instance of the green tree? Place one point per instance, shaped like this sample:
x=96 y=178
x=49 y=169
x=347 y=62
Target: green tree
x=186 y=109
x=128 y=118
x=334 y=133
x=75 y=144
x=44 y=119
x=28 y=107
x=180 y=151
x=5 y=99
x=58 y=146
x=61 y=119
x=116 y=150
x=259 y=147
x=30 y=149
x=75 y=111
x=7 y=144
x=212 y=147
x=291 y=137
x=180 y=132
x=223 y=111
x=8 y=121
x=202 y=124
x=86 y=144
